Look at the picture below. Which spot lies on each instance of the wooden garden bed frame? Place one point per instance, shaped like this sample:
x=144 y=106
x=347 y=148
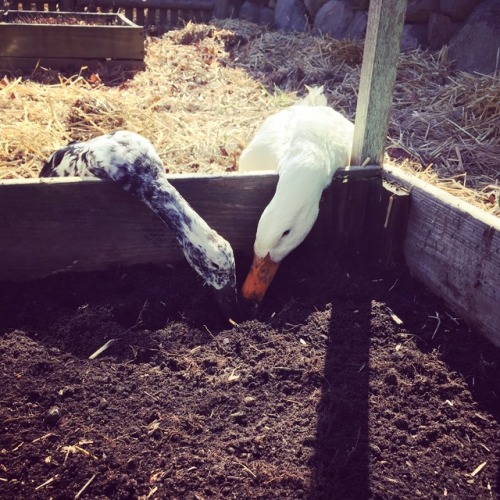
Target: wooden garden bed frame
x=162 y=14
x=57 y=225
x=25 y=45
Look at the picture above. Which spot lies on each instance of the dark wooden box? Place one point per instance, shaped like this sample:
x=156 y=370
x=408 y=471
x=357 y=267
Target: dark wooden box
x=65 y=40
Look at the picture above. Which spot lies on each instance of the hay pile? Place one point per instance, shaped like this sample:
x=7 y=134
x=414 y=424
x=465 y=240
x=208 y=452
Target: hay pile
x=207 y=87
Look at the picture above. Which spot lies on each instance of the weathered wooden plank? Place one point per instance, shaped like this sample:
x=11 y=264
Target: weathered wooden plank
x=348 y=208
x=453 y=248
x=140 y=16
x=163 y=17
x=54 y=225
x=126 y=21
x=174 y=17
x=51 y=225
x=67 y=5
x=129 y=14
x=378 y=74
x=66 y=41
x=154 y=4
x=366 y=216
x=92 y=17
x=385 y=223
x=28 y=63
x=151 y=16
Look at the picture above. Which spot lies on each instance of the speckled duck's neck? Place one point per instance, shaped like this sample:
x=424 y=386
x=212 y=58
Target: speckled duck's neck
x=205 y=250
x=173 y=210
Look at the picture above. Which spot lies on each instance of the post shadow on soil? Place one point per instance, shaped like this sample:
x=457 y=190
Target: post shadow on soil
x=339 y=461
x=340 y=465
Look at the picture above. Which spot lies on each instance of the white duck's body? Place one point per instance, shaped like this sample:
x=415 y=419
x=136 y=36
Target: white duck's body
x=305 y=143
x=132 y=162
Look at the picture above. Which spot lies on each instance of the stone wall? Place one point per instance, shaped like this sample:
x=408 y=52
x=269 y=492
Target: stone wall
x=471 y=28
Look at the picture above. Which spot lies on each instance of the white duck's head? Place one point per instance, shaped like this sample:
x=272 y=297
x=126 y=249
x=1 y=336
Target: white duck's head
x=283 y=226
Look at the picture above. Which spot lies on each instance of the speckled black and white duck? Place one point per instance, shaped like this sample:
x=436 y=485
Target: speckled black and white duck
x=132 y=162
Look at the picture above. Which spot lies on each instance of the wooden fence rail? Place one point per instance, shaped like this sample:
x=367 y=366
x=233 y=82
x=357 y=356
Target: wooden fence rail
x=162 y=14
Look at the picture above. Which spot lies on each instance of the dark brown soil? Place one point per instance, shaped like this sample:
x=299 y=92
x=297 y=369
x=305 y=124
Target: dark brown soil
x=323 y=396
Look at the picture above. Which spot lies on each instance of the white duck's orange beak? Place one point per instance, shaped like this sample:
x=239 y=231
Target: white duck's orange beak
x=259 y=278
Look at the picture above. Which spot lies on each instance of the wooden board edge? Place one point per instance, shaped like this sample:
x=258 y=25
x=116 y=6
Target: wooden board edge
x=52 y=216
x=30 y=63
x=409 y=181
x=453 y=248
x=348 y=172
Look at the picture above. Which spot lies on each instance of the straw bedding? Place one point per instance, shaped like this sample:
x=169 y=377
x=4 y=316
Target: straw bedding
x=207 y=87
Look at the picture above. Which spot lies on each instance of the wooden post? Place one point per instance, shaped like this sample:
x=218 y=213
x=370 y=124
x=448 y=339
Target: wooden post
x=378 y=74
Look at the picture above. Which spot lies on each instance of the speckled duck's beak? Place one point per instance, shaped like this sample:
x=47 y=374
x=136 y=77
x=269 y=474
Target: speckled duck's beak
x=259 y=278
x=226 y=298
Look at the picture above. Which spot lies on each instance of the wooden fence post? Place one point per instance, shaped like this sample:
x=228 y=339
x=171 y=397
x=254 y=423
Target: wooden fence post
x=378 y=74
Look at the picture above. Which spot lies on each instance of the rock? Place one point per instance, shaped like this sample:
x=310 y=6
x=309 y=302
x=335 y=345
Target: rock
x=313 y=6
x=290 y=15
x=250 y=11
x=357 y=27
x=53 y=416
x=249 y=401
x=458 y=10
x=419 y=11
x=333 y=18
x=475 y=46
x=414 y=36
x=440 y=29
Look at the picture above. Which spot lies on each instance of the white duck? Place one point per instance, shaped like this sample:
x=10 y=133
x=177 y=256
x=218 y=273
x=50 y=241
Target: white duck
x=306 y=143
x=132 y=162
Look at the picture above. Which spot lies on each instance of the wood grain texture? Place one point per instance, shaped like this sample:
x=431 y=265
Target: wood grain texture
x=378 y=74
x=199 y=5
x=27 y=63
x=55 y=225
x=71 y=41
x=453 y=248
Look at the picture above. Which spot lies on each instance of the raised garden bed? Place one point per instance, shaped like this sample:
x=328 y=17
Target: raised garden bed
x=353 y=382
x=69 y=40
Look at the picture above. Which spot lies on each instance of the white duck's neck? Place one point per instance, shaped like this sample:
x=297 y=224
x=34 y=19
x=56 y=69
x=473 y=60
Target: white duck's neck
x=291 y=214
x=303 y=173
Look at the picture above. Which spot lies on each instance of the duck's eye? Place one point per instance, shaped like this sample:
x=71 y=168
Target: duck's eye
x=285 y=233
x=215 y=266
